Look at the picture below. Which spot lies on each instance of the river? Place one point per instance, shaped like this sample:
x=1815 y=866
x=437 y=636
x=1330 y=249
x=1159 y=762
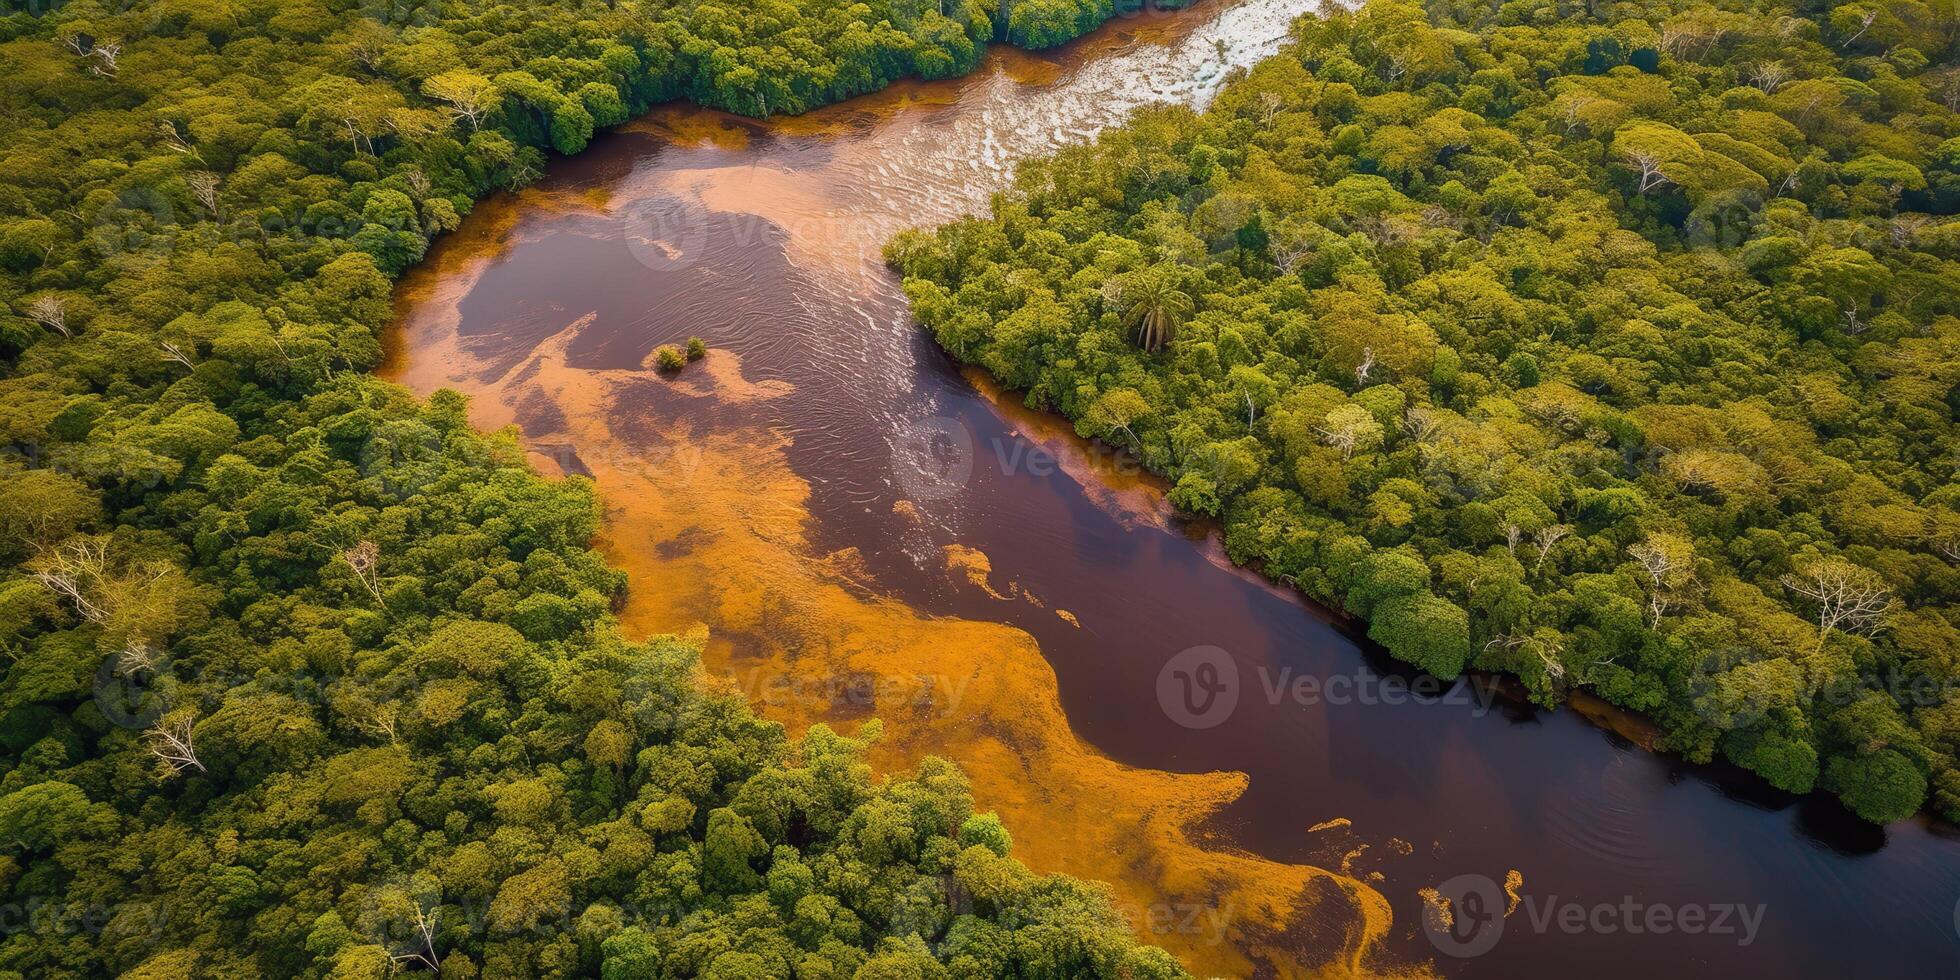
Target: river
x=860 y=528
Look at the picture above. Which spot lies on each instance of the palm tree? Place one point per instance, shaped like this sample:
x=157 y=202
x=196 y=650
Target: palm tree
x=1152 y=305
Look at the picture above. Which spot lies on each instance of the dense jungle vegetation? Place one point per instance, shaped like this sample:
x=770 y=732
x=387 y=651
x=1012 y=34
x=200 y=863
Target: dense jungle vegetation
x=1610 y=345
x=302 y=677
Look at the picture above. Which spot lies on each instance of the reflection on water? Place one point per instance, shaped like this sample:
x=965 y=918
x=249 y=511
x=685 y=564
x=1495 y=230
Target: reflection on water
x=864 y=530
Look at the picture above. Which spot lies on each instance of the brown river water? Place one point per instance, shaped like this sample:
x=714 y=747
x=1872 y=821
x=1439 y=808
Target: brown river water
x=864 y=530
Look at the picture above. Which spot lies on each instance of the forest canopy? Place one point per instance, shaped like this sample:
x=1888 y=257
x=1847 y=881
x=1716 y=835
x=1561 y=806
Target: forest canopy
x=1613 y=346
x=299 y=675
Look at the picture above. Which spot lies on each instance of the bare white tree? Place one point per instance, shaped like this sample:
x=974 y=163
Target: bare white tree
x=170 y=742
x=1111 y=291
x=1946 y=543
x=1648 y=166
x=173 y=139
x=1668 y=567
x=105 y=54
x=1437 y=216
x=362 y=140
x=1397 y=64
x=1270 y=104
x=1367 y=364
x=1673 y=38
x=172 y=352
x=51 y=311
x=134 y=659
x=425 y=931
x=1550 y=653
x=1546 y=538
x=1691 y=39
x=1848 y=598
x=1341 y=437
x=1769 y=76
x=364 y=560
x=1546 y=652
x=1864 y=24
x=466 y=97
x=1292 y=254
x=381 y=721
x=1905 y=229
x=1810 y=107
x=1572 y=109
x=1420 y=425
x=204 y=186
x=76 y=570
x=1346 y=428
x=1853 y=325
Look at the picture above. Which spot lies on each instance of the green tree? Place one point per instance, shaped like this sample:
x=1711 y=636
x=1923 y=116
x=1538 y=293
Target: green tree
x=1151 y=305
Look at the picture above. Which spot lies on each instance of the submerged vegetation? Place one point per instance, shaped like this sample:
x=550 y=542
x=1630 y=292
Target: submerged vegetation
x=1610 y=345
x=303 y=677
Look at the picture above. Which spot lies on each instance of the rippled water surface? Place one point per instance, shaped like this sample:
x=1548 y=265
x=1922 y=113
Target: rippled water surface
x=862 y=529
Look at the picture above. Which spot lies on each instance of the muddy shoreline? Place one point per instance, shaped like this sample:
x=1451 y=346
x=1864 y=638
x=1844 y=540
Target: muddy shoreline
x=787 y=500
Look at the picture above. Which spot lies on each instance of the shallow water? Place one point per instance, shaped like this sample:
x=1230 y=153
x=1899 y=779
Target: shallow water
x=864 y=530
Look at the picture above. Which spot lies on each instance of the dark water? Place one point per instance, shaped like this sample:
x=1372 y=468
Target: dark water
x=763 y=240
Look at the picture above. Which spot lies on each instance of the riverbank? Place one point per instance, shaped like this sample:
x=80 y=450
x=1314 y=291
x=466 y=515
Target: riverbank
x=846 y=490
x=256 y=597
x=710 y=517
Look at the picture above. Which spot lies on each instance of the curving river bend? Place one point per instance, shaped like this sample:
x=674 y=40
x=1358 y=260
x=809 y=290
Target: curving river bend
x=862 y=529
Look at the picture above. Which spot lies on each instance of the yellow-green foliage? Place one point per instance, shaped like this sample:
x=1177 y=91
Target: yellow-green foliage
x=1633 y=337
